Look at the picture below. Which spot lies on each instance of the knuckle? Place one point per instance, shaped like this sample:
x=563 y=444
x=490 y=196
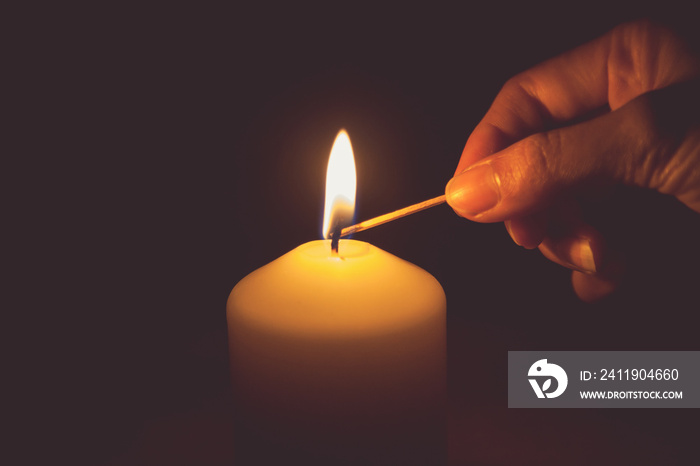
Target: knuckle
x=521 y=97
x=528 y=164
x=538 y=151
x=521 y=88
x=511 y=97
x=655 y=136
x=512 y=85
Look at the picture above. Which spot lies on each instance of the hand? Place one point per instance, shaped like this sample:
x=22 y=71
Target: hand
x=538 y=151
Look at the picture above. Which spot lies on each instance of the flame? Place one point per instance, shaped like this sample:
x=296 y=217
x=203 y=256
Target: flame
x=341 y=183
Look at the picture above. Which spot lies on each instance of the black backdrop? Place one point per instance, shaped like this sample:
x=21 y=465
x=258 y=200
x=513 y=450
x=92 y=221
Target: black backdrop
x=183 y=147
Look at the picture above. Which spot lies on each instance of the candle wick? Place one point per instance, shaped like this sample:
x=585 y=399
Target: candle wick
x=335 y=239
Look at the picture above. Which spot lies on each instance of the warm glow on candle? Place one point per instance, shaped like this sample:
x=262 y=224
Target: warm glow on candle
x=341 y=183
x=337 y=348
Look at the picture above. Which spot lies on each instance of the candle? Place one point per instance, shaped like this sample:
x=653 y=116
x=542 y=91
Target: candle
x=339 y=355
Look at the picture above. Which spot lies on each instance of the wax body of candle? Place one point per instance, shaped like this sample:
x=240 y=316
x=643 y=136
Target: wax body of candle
x=340 y=356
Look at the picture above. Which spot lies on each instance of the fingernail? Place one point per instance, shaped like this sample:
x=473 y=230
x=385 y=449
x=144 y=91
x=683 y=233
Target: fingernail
x=473 y=191
x=510 y=232
x=586 y=259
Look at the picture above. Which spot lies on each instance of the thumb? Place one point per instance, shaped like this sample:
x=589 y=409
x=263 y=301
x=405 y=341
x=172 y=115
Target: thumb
x=623 y=146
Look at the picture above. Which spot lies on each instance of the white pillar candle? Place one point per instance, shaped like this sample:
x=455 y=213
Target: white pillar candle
x=339 y=356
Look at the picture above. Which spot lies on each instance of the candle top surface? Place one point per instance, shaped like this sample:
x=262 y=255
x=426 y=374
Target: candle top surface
x=363 y=290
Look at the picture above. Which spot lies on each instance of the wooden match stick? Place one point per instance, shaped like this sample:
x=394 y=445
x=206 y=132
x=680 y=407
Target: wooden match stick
x=412 y=209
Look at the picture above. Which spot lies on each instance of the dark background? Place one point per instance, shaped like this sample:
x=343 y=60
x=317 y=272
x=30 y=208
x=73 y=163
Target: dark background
x=173 y=150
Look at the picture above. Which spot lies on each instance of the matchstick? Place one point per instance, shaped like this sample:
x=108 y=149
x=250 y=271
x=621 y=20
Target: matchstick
x=392 y=216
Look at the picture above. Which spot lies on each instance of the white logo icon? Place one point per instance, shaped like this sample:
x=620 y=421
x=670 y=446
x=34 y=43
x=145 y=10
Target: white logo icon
x=543 y=369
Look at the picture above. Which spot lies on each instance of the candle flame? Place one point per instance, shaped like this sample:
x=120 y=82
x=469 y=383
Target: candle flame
x=341 y=183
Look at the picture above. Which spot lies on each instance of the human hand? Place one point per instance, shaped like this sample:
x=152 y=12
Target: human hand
x=532 y=159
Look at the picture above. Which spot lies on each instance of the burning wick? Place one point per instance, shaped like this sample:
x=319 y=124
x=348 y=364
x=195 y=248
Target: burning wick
x=335 y=239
